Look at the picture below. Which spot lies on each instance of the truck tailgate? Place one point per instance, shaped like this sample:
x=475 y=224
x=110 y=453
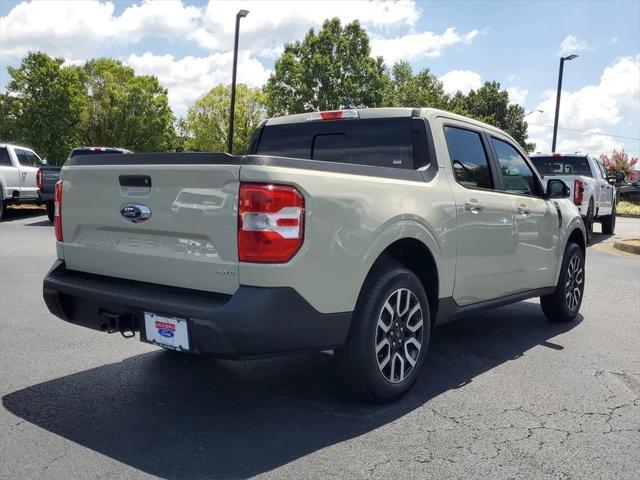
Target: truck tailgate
x=190 y=239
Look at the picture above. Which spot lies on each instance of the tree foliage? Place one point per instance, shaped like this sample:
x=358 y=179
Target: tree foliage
x=54 y=108
x=619 y=162
x=43 y=106
x=326 y=71
x=206 y=127
x=408 y=90
x=491 y=105
x=124 y=109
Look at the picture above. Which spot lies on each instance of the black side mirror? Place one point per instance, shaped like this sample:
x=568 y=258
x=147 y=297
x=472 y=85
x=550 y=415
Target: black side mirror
x=557 y=188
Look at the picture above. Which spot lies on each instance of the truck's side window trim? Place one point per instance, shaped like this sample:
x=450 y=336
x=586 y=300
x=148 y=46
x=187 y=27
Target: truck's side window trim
x=487 y=155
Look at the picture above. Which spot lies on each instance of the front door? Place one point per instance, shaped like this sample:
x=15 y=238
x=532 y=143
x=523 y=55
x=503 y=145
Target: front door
x=486 y=240
x=536 y=219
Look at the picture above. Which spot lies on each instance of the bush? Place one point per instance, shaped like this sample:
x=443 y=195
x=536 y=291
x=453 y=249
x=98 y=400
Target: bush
x=628 y=208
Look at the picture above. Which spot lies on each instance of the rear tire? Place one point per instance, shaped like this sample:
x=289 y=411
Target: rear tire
x=50 y=210
x=2 y=205
x=389 y=335
x=609 y=222
x=563 y=305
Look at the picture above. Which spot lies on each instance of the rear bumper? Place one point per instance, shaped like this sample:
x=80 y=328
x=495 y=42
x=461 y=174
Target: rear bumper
x=254 y=322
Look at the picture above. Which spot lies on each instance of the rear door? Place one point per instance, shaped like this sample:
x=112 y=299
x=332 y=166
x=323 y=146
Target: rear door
x=486 y=266
x=536 y=219
x=190 y=238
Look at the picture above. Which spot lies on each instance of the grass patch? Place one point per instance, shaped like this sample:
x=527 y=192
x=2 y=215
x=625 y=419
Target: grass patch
x=628 y=208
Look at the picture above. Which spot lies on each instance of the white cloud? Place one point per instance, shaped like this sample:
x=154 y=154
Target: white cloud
x=190 y=77
x=517 y=95
x=270 y=24
x=75 y=28
x=572 y=44
x=419 y=45
x=612 y=104
x=461 y=80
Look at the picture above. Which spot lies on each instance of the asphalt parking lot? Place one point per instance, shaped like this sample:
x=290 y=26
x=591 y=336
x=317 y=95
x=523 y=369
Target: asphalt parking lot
x=503 y=395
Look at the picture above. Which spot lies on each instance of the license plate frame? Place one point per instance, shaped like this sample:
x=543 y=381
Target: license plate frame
x=167 y=331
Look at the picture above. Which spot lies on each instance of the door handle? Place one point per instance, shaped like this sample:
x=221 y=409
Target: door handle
x=522 y=210
x=474 y=206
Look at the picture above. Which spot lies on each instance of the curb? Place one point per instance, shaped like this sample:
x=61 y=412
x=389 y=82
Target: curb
x=626 y=245
x=627 y=215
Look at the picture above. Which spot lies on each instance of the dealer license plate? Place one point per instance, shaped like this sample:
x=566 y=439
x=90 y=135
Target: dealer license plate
x=167 y=332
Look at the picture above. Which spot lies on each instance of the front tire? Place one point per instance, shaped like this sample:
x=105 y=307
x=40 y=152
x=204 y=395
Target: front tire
x=563 y=305
x=609 y=222
x=389 y=336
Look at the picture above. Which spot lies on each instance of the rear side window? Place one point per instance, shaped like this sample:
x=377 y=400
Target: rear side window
x=468 y=158
x=5 y=160
x=384 y=142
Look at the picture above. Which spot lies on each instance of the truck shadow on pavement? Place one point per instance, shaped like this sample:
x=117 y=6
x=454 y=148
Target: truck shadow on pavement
x=178 y=416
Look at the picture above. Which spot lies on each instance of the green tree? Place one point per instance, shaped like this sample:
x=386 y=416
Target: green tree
x=327 y=70
x=207 y=123
x=409 y=90
x=491 y=105
x=43 y=106
x=126 y=110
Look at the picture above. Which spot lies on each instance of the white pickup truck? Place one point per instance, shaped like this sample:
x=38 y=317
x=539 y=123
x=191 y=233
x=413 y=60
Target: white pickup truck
x=18 y=169
x=591 y=189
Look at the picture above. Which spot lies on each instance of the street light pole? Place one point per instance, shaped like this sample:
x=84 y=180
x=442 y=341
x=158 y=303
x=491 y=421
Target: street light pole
x=232 y=110
x=555 y=122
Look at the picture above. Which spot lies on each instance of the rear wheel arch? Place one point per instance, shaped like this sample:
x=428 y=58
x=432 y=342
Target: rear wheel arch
x=417 y=257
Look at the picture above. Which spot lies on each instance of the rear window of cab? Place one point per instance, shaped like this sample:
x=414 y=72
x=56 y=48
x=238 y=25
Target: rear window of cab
x=379 y=142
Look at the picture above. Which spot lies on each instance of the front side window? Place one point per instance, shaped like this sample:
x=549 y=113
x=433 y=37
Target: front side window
x=468 y=158
x=5 y=160
x=34 y=159
x=516 y=174
x=23 y=157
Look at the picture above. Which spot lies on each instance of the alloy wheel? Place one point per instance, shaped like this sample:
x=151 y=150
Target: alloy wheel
x=575 y=283
x=399 y=335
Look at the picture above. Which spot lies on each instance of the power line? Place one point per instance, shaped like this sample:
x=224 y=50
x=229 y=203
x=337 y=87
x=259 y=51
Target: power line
x=587 y=132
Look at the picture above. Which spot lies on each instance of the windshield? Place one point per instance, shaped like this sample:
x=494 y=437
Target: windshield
x=575 y=165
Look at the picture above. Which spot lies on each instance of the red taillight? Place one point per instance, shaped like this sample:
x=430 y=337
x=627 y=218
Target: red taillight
x=578 y=191
x=39 y=179
x=57 y=210
x=270 y=223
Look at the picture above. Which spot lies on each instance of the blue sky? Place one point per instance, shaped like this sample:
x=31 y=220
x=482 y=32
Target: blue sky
x=187 y=44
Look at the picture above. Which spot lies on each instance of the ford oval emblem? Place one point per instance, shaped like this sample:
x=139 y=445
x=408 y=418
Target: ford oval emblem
x=165 y=332
x=135 y=212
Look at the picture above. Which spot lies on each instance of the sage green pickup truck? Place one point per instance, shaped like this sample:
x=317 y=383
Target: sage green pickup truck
x=354 y=230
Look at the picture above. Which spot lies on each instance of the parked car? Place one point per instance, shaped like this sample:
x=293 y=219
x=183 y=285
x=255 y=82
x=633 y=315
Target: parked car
x=48 y=175
x=592 y=190
x=18 y=167
x=385 y=223
x=630 y=193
